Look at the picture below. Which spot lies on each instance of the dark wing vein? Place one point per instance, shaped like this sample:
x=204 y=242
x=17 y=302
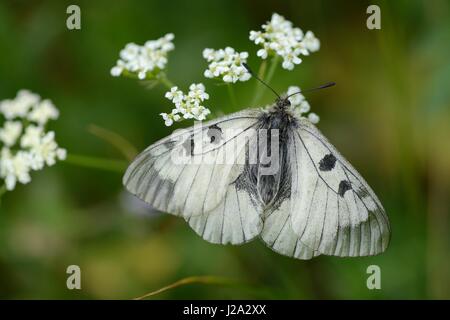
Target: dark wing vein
x=323 y=222
x=309 y=208
x=240 y=215
x=192 y=183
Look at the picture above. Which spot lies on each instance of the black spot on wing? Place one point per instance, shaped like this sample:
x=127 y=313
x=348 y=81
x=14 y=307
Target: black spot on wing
x=214 y=133
x=327 y=163
x=344 y=186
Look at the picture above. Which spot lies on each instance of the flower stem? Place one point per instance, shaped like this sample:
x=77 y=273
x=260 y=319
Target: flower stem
x=259 y=87
x=97 y=163
x=121 y=144
x=231 y=94
x=165 y=81
x=270 y=73
x=2 y=191
x=273 y=67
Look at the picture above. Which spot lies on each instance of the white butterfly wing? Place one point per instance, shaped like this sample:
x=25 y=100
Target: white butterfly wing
x=236 y=220
x=333 y=210
x=199 y=186
x=277 y=234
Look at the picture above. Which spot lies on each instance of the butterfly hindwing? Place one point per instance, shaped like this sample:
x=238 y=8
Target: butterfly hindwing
x=236 y=220
x=278 y=234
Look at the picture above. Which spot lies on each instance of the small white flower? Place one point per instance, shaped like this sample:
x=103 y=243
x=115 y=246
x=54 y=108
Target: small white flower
x=19 y=107
x=36 y=148
x=209 y=54
x=31 y=137
x=257 y=37
x=169 y=119
x=280 y=38
x=304 y=107
x=296 y=98
x=310 y=42
x=61 y=154
x=168 y=122
x=188 y=105
x=46 y=152
x=15 y=168
x=130 y=52
x=262 y=53
x=116 y=71
x=43 y=112
x=166 y=43
x=176 y=117
x=314 y=118
x=228 y=78
x=142 y=74
x=174 y=95
x=164 y=115
x=299 y=105
x=245 y=76
x=10 y=132
x=197 y=92
x=144 y=61
x=226 y=64
x=188 y=115
x=290 y=60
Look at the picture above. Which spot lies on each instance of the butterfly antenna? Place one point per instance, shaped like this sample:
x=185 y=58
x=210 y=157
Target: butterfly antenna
x=324 y=86
x=260 y=80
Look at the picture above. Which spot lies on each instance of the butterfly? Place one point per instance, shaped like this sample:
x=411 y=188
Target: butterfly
x=307 y=200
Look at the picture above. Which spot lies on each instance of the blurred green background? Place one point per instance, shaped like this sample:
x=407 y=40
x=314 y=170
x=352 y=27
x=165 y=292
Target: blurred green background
x=389 y=115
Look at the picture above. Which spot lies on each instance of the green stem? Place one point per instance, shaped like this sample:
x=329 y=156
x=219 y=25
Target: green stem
x=270 y=73
x=97 y=163
x=231 y=94
x=165 y=81
x=2 y=192
x=272 y=69
x=123 y=145
x=259 y=86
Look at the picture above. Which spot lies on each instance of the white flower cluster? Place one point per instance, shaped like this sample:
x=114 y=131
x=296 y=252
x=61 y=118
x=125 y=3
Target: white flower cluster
x=280 y=38
x=226 y=63
x=299 y=104
x=25 y=144
x=144 y=61
x=187 y=106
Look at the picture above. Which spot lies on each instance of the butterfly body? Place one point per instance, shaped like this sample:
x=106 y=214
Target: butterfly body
x=286 y=184
x=268 y=190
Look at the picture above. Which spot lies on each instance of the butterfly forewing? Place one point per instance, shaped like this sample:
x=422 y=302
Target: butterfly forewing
x=333 y=210
x=188 y=173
